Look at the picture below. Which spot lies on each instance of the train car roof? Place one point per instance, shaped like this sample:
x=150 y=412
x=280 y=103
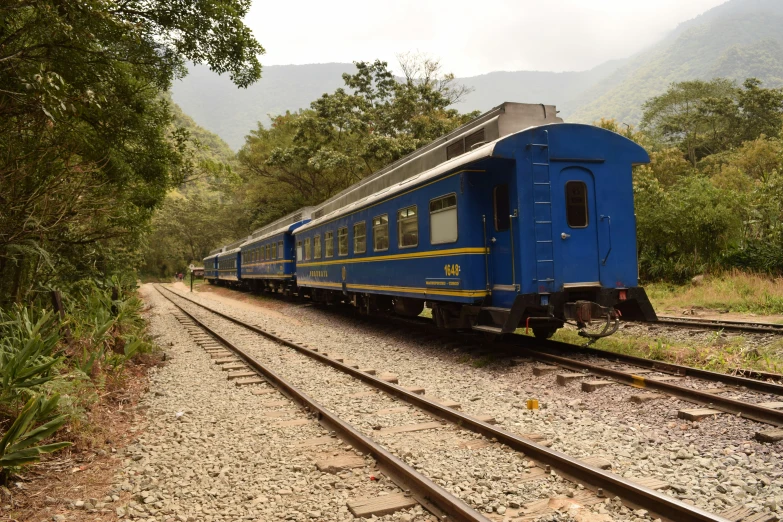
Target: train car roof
x=583 y=142
x=232 y=248
x=287 y=228
x=483 y=151
x=503 y=120
x=228 y=252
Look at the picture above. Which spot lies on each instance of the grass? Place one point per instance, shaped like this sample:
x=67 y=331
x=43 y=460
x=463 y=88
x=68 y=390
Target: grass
x=715 y=353
x=734 y=291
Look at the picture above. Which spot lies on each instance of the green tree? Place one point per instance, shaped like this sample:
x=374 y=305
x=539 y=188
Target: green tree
x=306 y=157
x=704 y=118
x=88 y=149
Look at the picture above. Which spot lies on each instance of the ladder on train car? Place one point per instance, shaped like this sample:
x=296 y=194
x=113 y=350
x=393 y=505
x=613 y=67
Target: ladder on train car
x=542 y=208
x=490 y=316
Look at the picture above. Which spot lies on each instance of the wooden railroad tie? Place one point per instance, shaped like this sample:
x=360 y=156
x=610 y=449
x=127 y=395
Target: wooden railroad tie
x=543 y=370
x=565 y=378
x=410 y=427
x=241 y=374
x=591 y=386
x=337 y=463
x=645 y=397
x=380 y=505
x=697 y=414
x=250 y=381
x=771 y=435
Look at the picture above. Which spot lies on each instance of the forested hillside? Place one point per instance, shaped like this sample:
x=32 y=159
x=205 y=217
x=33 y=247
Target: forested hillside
x=91 y=146
x=737 y=40
x=218 y=105
x=205 y=210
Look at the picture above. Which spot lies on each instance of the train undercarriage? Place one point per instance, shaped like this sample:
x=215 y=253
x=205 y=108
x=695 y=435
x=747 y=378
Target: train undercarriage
x=596 y=312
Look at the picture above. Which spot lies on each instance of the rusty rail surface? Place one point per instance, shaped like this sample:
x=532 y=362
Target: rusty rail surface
x=659 y=504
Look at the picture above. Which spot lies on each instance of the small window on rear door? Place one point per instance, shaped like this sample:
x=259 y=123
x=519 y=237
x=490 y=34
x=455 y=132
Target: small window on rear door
x=502 y=208
x=576 y=204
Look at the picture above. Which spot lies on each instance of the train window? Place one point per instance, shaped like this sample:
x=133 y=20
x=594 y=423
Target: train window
x=380 y=233
x=443 y=219
x=342 y=241
x=360 y=238
x=502 y=208
x=274 y=251
x=280 y=250
x=407 y=227
x=576 y=204
x=307 y=249
x=317 y=247
x=329 y=244
x=299 y=251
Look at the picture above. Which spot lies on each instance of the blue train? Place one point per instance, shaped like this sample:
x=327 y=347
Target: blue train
x=513 y=220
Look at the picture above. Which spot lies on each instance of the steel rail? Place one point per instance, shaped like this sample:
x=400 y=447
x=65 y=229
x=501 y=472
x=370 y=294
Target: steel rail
x=426 y=491
x=747 y=410
x=719 y=324
x=664 y=367
x=659 y=504
x=757 y=374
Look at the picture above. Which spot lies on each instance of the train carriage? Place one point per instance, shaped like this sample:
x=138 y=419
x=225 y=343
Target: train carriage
x=268 y=254
x=211 y=265
x=230 y=264
x=514 y=219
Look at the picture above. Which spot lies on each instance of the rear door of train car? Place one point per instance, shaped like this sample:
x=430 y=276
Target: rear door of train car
x=495 y=192
x=576 y=222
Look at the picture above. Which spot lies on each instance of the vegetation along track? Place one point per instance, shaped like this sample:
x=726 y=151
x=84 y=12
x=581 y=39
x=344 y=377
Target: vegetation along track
x=720 y=324
x=539 y=459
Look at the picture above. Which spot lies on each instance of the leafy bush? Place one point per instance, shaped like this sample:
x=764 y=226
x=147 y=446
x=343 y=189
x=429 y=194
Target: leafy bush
x=683 y=228
x=19 y=446
x=27 y=347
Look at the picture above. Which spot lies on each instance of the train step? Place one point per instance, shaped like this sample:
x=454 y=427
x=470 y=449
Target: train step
x=496 y=309
x=488 y=329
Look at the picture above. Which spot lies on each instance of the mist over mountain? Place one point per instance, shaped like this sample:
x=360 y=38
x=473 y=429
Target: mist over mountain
x=738 y=39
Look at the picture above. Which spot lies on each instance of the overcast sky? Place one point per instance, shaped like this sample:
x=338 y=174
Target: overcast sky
x=469 y=37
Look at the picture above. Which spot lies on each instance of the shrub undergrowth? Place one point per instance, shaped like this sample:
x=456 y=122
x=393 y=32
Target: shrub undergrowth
x=731 y=291
x=52 y=371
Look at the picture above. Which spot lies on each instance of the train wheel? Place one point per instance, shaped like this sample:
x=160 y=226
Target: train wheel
x=544 y=333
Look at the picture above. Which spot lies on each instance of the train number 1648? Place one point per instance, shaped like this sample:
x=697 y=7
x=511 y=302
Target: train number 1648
x=451 y=270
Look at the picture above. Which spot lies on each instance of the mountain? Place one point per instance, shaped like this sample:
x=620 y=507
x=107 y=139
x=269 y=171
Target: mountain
x=217 y=104
x=737 y=40
x=492 y=89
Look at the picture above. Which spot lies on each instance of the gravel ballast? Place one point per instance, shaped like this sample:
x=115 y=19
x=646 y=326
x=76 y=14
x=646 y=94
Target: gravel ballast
x=212 y=451
x=715 y=463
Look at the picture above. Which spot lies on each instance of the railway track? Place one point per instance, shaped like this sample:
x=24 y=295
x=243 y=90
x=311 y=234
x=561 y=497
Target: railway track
x=720 y=324
x=544 y=461
x=737 y=395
